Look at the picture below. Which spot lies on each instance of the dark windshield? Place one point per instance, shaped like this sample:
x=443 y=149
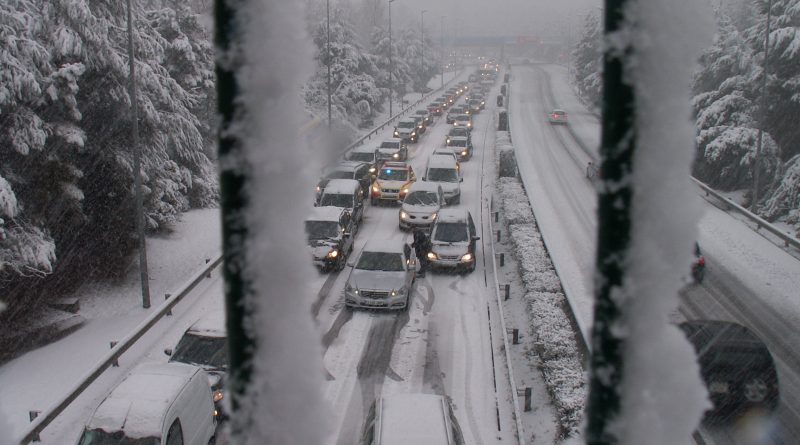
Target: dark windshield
x=391 y=174
x=450 y=232
x=406 y=125
x=100 y=437
x=322 y=229
x=458 y=131
x=337 y=200
x=388 y=261
x=457 y=143
x=422 y=199
x=362 y=156
x=203 y=351
x=442 y=175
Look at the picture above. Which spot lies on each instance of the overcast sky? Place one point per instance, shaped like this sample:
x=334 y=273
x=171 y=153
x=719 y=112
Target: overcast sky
x=497 y=17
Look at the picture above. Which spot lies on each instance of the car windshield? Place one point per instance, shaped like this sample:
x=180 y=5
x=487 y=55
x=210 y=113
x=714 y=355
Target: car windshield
x=337 y=200
x=457 y=143
x=462 y=117
x=442 y=175
x=391 y=174
x=201 y=350
x=406 y=124
x=450 y=232
x=387 y=261
x=100 y=437
x=458 y=132
x=322 y=229
x=422 y=198
x=362 y=156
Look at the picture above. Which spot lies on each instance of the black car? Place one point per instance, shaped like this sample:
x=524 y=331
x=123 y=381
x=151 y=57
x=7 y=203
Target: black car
x=330 y=232
x=360 y=171
x=736 y=366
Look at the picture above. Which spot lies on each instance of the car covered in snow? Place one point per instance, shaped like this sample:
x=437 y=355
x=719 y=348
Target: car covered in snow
x=382 y=276
x=164 y=403
x=392 y=150
x=421 y=205
x=406 y=130
x=453 y=241
x=329 y=231
x=445 y=171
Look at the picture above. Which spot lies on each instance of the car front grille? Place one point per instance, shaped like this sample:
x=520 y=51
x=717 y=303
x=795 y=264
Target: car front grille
x=449 y=257
x=374 y=294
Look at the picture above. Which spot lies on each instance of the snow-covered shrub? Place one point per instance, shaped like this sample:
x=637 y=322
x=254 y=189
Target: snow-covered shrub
x=785 y=199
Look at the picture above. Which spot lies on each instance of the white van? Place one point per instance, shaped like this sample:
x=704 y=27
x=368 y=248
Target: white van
x=419 y=419
x=443 y=170
x=158 y=403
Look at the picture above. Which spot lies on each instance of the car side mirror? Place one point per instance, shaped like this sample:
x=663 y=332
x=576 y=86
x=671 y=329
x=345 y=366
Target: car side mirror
x=424 y=178
x=168 y=351
x=476 y=238
x=460 y=179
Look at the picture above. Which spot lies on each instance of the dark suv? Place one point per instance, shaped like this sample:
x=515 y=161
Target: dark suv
x=360 y=171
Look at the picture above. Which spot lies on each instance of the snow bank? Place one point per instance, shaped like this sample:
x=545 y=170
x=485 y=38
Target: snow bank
x=547 y=309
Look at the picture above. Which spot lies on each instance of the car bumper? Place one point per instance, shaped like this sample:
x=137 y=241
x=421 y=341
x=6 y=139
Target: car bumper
x=396 y=303
x=452 y=264
x=416 y=223
x=324 y=264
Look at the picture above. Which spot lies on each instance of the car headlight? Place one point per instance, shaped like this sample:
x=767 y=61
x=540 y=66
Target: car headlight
x=432 y=256
x=467 y=257
x=319 y=189
x=376 y=188
x=218 y=395
x=349 y=288
x=469 y=124
x=396 y=133
x=403 y=215
x=464 y=153
x=372 y=169
x=447 y=142
x=396 y=155
x=333 y=253
x=434 y=215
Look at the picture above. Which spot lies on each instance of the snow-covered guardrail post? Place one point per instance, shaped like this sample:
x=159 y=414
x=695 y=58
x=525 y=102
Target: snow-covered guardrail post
x=166 y=297
x=502 y=259
x=528 y=394
x=114 y=363
x=514 y=335
x=32 y=415
x=498 y=236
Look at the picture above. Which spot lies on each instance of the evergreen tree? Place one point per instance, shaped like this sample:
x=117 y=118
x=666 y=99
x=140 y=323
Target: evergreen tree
x=587 y=62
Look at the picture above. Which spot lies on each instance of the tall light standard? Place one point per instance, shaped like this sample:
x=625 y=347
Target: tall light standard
x=763 y=107
x=328 y=58
x=422 y=49
x=391 y=64
x=441 y=55
x=137 y=169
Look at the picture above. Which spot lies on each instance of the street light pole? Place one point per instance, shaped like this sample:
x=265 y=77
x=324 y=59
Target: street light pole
x=328 y=58
x=137 y=169
x=391 y=64
x=422 y=49
x=763 y=107
x=441 y=55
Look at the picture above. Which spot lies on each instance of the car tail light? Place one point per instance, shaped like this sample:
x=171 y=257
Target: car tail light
x=701 y=261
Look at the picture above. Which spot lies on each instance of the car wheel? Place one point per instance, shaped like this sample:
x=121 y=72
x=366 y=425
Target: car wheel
x=341 y=262
x=755 y=390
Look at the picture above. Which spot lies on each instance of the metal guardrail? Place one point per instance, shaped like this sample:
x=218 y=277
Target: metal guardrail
x=506 y=346
x=43 y=420
x=760 y=222
x=403 y=111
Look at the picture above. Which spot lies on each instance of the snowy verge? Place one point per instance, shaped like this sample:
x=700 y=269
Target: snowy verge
x=559 y=356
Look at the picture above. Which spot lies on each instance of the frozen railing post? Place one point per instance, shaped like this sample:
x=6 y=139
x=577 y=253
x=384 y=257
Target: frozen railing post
x=115 y=363
x=166 y=297
x=613 y=231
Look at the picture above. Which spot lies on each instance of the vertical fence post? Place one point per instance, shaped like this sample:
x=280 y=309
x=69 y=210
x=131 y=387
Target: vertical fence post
x=115 y=363
x=166 y=297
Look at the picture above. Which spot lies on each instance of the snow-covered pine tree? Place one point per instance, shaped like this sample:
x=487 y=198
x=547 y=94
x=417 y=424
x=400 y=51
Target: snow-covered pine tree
x=587 y=62
x=725 y=105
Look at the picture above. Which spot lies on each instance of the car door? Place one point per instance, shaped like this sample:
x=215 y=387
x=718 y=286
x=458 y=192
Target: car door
x=473 y=234
x=411 y=265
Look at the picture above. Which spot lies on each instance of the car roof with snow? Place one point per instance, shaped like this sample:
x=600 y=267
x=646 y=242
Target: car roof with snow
x=390 y=143
x=452 y=215
x=424 y=186
x=384 y=245
x=363 y=149
x=441 y=161
x=346 y=166
x=407 y=120
x=337 y=186
x=138 y=404
x=413 y=418
x=209 y=325
x=326 y=213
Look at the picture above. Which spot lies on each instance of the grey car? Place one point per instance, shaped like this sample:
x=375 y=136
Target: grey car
x=382 y=276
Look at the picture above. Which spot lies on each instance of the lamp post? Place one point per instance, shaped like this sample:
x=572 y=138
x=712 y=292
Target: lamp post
x=763 y=107
x=422 y=49
x=137 y=169
x=391 y=64
x=328 y=58
x=441 y=55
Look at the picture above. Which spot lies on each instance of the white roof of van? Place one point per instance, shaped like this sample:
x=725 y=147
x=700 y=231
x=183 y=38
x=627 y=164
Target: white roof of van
x=325 y=213
x=344 y=186
x=413 y=419
x=138 y=404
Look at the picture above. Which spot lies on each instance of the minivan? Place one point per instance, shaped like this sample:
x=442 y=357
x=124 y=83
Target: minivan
x=419 y=419
x=347 y=194
x=453 y=241
x=157 y=403
x=443 y=170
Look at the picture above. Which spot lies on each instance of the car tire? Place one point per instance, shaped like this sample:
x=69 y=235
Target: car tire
x=340 y=263
x=756 y=391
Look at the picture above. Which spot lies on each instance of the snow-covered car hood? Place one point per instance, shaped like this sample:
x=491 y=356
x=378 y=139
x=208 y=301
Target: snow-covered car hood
x=450 y=249
x=320 y=248
x=387 y=150
x=376 y=279
x=420 y=209
x=404 y=130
